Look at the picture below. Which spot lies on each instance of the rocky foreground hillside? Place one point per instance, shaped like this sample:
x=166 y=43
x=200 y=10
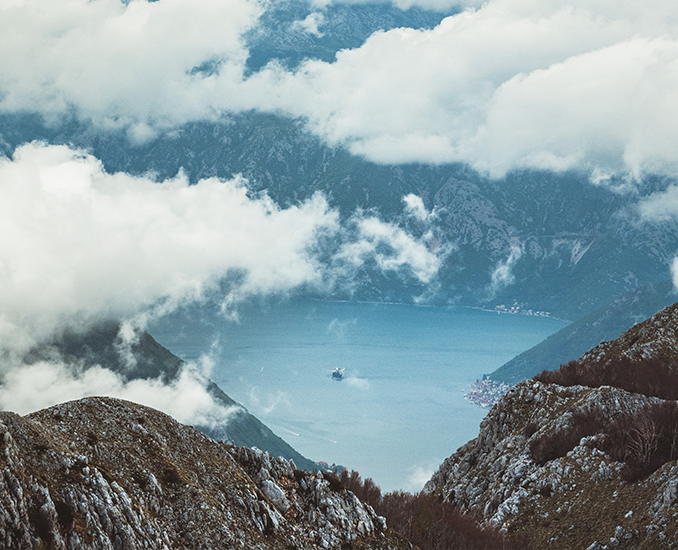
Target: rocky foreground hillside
x=572 y=460
x=102 y=473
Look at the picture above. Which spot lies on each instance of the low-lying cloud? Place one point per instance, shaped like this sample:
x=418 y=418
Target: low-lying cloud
x=28 y=388
x=662 y=207
x=79 y=245
x=502 y=276
x=511 y=84
x=137 y=65
x=389 y=246
x=504 y=84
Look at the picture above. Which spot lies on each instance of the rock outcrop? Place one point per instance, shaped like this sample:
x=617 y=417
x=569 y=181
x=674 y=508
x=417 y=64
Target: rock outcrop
x=546 y=467
x=653 y=339
x=571 y=501
x=318 y=504
x=102 y=473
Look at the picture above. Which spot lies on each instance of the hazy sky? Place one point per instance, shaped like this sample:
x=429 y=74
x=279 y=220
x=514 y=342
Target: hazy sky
x=503 y=84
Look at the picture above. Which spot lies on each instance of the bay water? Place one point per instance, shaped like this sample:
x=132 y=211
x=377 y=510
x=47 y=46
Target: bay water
x=399 y=410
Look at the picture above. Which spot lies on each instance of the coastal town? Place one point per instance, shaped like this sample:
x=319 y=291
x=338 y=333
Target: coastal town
x=486 y=392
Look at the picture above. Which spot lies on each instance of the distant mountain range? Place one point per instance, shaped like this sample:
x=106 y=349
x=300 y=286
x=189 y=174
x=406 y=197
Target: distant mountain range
x=565 y=246
x=279 y=37
x=552 y=242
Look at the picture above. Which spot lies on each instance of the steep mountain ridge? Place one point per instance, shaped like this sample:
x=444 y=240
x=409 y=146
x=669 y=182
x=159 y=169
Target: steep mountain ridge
x=103 y=473
x=605 y=324
x=282 y=37
x=570 y=501
x=144 y=358
x=580 y=466
x=656 y=338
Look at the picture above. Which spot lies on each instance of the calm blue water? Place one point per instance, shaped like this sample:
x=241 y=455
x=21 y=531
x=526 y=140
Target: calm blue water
x=400 y=410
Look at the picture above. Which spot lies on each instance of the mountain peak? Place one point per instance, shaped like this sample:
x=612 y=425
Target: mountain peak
x=102 y=473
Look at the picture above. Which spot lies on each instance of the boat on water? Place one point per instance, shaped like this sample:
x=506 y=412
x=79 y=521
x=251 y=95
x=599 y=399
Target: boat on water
x=337 y=374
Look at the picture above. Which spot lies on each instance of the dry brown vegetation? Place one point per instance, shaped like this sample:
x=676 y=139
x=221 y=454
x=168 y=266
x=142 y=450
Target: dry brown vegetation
x=652 y=377
x=426 y=520
x=557 y=444
x=643 y=441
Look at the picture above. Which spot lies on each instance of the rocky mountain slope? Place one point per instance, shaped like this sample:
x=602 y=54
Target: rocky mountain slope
x=102 y=473
x=144 y=358
x=656 y=338
x=605 y=324
x=580 y=463
x=280 y=36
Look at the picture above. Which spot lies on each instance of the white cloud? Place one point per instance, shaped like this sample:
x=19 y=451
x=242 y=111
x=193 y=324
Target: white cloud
x=504 y=84
x=608 y=109
x=28 y=388
x=390 y=247
x=514 y=83
x=660 y=206
x=123 y=65
x=435 y=5
x=79 y=244
x=310 y=24
x=674 y=272
x=419 y=475
x=415 y=207
x=502 y=275
x=268 y=401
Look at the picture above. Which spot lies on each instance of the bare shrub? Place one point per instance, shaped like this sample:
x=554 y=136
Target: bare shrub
x=426 y=520
x=545 y=491
x=367 y=491
x=530 y=429
x=655 y=377
x=643 y=441
x=557 y=444
x=335 y=484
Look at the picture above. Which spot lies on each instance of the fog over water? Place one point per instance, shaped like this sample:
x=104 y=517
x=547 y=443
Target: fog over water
x=400 y=409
